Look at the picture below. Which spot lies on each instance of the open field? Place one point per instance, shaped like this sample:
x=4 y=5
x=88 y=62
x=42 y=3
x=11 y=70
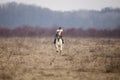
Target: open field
x=82 y=59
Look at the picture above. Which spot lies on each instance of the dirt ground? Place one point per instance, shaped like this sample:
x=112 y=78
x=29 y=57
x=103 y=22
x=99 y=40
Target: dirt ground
x=34 y=58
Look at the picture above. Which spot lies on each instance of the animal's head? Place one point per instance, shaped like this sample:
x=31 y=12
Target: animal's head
x=60 y=28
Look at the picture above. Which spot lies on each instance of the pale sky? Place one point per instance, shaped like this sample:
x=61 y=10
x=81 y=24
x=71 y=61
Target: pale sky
x=68 y=5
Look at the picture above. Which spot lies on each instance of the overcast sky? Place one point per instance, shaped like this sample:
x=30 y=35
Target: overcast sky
x=65 y=5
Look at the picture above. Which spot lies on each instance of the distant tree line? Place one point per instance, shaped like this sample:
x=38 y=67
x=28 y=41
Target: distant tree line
x=13 y=15
x=92 y=32
x=28 y=31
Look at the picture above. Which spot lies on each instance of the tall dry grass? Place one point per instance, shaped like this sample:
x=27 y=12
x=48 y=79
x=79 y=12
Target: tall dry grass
x=82 y=59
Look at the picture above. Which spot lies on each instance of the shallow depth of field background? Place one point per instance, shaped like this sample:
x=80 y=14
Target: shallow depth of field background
x=92 y=41
x=35 y=58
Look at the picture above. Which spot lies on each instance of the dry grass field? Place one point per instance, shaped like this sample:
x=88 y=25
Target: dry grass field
x=82 y=59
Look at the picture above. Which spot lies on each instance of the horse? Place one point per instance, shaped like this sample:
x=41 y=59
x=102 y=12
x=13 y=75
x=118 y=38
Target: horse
x=58 y=44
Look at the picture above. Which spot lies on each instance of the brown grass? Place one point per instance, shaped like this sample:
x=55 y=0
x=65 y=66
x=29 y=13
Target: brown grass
x=81 y=59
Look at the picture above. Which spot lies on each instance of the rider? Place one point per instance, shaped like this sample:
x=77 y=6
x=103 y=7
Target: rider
x=59 y=32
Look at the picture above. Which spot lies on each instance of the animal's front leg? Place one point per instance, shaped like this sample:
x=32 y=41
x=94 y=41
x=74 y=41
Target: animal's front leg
x=61 y=48
x=57 y=49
